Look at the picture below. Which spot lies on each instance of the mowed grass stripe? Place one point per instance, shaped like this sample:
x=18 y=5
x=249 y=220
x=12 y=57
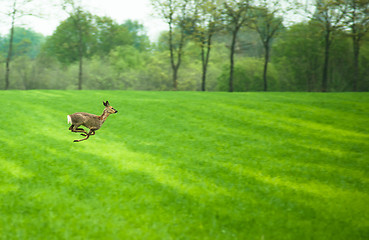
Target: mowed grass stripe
x=185 y=165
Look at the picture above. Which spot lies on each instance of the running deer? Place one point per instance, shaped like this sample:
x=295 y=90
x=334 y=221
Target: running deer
x=91 y=121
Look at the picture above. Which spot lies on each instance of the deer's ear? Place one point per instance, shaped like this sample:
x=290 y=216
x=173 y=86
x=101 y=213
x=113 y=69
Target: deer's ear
x=105 y=103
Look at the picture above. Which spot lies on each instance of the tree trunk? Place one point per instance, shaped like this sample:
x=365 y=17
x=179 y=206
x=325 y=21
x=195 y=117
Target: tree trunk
x=10 y=50
x=172 y=62
x=355 y=80
x=326 y=61
x=80 y=54
x=232 y=59
x=175 y=68
x=80 y=74
x=266 y=61
x=205 y=61
x=203 y=79
x=175 y=77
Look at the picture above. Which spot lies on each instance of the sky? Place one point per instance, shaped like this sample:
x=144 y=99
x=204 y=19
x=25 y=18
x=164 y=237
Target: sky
x=119 y=10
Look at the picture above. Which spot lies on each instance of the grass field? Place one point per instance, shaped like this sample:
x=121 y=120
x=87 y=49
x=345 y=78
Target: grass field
x=185 y=165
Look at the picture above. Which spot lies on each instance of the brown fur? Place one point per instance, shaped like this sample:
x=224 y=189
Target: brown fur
x=91 y=121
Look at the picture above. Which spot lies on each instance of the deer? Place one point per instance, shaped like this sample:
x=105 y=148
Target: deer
x=91 y=121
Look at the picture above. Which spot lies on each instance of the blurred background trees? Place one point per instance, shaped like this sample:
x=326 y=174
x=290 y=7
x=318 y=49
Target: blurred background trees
x=261 y=51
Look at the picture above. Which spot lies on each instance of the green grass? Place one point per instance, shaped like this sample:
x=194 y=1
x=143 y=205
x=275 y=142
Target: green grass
x=185 y=165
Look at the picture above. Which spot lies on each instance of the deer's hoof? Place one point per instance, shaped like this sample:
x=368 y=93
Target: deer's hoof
x=76 y=141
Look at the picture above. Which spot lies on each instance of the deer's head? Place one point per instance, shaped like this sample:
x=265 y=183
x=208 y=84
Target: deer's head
x=109 y=109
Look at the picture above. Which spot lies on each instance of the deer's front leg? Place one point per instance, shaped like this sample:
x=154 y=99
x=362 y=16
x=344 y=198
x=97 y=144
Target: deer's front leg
x=91 y=132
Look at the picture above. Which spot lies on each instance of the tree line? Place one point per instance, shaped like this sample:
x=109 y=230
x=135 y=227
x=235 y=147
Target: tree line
x=210 y=45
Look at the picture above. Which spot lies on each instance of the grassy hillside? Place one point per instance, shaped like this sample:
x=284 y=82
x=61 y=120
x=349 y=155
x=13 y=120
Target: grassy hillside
x=185 y=165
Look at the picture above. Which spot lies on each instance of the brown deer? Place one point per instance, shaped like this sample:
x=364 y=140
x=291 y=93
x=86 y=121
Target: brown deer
x=91 y=121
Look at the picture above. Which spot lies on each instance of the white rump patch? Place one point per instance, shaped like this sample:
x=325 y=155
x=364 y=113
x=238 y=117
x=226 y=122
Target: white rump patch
x=69 y=119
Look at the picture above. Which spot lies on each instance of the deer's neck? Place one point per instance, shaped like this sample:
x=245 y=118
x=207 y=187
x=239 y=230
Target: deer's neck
x=103 y=116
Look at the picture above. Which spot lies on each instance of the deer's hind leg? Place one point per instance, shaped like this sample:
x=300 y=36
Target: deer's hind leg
x=91 y=133
x=75 y=128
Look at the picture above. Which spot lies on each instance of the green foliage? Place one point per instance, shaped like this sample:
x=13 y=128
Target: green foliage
x=120 y=56
x=342 y=60
x=109 y=35
x=185 y=166
x=25 y=43
x=266 y=23
x=138 y=34
x=137 y=70
x=364 y=66
x=101 y=35
x=248 y=76
x=100 y=74
x=64 y=43
x=298 y=54
x=126 y=57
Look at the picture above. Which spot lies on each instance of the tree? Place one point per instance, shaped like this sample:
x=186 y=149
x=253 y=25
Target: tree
x=237 y=13
x=207 y=24
x=329 y=16
x=357 y=18
x=81 y=25
x=267 y=24
x=67 y=45
x=137 y=34
x=74 y=38
x=298 y=55
x=179 y=15
x=25 y=42
x=17 y=10
x=108 y=35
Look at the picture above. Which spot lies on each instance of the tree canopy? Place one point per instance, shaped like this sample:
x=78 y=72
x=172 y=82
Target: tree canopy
x=251 y=50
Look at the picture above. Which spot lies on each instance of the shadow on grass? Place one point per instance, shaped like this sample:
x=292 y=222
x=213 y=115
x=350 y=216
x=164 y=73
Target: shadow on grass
x=76 y=193
x=317 y=187
x=66 y=189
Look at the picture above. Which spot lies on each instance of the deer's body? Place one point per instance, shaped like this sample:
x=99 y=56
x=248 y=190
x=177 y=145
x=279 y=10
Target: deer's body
x=91 y=121
x=88 y=120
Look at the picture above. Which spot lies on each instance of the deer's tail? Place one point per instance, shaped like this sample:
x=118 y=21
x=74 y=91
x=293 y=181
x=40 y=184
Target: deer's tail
x=69 y=119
